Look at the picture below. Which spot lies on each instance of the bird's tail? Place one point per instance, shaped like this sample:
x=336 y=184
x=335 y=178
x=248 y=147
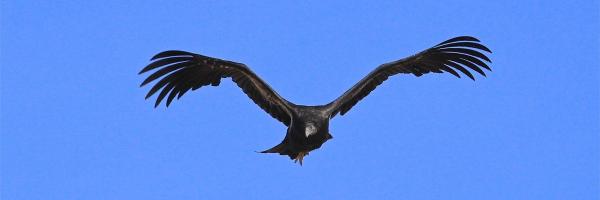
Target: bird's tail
x=276 y=149
x=282 y=149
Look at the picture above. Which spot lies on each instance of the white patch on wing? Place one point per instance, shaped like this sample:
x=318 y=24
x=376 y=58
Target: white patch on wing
x=310 y=129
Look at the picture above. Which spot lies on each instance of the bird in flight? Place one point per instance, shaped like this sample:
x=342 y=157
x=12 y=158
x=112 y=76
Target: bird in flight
x=307 y=126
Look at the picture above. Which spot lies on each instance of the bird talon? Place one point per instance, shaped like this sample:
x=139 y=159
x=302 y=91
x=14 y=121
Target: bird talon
x=300 y=157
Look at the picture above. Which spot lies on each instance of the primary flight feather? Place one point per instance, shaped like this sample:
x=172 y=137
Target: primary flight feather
x=178 y=72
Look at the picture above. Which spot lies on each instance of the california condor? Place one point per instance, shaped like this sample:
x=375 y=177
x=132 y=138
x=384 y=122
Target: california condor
x=308 y=126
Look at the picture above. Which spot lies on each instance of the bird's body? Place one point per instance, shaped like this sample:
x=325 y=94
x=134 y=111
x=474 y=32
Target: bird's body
x=308 y=131
x=308 y=126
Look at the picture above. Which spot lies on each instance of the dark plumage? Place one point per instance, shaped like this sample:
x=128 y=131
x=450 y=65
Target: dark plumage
x=308 y=126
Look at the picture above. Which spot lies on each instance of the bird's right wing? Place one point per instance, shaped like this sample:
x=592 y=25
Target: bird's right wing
x=448 y=56
x=183 y=71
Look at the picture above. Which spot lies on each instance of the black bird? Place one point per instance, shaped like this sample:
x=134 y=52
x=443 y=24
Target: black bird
x=308 y=126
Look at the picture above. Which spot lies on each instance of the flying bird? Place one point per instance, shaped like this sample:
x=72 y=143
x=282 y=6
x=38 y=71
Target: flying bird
x=307 y=126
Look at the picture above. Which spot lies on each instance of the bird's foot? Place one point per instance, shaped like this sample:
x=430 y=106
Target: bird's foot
x=300 y=157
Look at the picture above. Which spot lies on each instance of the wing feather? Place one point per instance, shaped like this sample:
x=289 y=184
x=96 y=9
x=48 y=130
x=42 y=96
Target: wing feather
x=183 y=71
x=455 y=54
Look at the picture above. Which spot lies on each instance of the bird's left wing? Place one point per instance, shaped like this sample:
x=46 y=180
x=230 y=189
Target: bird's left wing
x=457 y=53
x=184 y=71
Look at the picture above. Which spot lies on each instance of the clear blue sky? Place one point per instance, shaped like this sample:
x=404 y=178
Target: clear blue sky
x=75 y=124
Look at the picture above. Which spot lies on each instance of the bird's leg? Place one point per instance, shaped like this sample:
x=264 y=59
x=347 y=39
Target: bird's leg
x=300 y=157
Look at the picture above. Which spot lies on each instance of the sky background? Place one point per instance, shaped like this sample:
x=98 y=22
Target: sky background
x=75 y=124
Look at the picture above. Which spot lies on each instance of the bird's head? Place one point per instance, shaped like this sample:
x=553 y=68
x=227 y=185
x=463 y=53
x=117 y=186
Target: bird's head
x=310 y=129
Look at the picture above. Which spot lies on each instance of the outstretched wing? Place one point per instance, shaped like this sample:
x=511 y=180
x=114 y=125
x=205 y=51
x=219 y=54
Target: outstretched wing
x=184 y=71
x=454 y=54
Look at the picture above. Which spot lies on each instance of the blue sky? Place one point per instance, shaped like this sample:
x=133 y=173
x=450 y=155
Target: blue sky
x=75 y=124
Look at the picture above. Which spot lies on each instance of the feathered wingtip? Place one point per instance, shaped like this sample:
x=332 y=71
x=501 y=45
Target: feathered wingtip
x=180 y=72
x=460 y=52
x=170 y=64
x=165 y=58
